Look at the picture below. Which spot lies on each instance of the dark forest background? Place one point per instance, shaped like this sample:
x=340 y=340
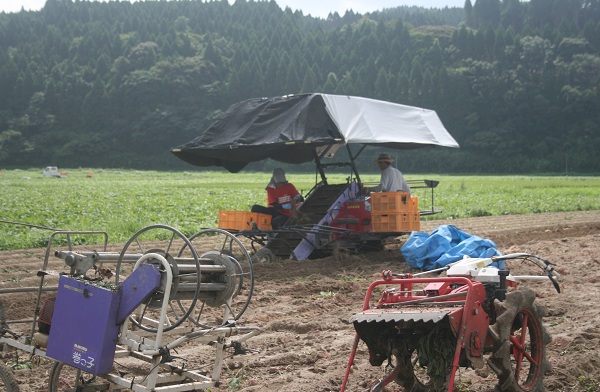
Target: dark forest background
x=117 y=84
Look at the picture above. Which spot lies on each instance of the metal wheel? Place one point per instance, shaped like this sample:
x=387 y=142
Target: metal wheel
x=8 y=383
x=235 y=286
x=147 y=315
x=520 y=339
x=65 y=378
x=263 y=255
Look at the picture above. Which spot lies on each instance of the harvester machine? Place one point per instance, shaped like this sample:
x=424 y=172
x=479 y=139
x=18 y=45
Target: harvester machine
x=423 y=329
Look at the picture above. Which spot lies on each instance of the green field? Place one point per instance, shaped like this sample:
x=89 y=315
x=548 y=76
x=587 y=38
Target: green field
x=122 y=202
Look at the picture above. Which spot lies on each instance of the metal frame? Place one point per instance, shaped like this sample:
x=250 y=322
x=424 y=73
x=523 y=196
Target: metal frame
x=151 y=348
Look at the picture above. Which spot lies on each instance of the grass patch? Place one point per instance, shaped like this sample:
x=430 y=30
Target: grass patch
x=588 y=384
x=121 y=202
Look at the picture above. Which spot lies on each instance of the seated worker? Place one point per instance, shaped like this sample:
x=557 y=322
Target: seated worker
x=282 y=197
x=392 y=179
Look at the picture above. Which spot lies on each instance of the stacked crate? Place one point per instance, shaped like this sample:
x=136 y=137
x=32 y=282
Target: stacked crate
x=394 y=212
x=242 y=220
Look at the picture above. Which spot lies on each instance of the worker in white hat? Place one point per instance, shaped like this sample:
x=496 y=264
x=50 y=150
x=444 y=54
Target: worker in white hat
x=392 y=179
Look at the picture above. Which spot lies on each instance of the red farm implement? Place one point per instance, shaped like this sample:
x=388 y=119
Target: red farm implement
x=425 y=328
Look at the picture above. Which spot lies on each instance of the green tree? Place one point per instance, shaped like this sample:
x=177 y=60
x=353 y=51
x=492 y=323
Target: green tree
x=309 y=84
x=13 y=146
x=382 y=87
x=330 y=86
x=526 y=72
x=95 y=106
x=486 y=13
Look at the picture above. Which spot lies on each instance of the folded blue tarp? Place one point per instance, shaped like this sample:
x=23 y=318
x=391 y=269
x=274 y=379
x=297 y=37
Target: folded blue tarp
x=446 y=244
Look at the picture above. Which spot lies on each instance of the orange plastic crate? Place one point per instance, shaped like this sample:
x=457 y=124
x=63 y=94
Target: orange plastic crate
x=390 y=202
x=263 y=221
x=383 y=223
x=396 y=222
x=415 y=221
x=414 y=204
x=242 y=220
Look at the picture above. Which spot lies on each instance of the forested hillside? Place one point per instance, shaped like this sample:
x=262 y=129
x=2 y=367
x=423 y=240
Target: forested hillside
x=117 y=84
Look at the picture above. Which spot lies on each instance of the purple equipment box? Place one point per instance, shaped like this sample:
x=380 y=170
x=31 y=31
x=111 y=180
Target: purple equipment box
x=84 y=331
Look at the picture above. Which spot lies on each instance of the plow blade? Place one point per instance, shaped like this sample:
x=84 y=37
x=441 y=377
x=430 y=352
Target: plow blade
x=393 y=315
x=384 y=329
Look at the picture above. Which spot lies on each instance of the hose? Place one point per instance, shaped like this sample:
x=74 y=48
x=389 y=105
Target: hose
x=30 y=225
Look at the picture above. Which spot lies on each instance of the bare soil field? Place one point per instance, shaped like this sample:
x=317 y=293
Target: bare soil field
x=302 y=309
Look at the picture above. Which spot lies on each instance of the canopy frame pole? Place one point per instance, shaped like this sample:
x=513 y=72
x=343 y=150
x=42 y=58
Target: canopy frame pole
x=320 y=168
x=353 y=160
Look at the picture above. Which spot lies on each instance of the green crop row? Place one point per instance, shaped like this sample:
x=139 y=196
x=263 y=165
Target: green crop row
x=120 y=202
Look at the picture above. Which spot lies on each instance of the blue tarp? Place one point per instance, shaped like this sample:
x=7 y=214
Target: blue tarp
x=446 y=244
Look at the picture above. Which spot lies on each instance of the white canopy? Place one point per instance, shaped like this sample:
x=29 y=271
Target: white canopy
x=370 y=121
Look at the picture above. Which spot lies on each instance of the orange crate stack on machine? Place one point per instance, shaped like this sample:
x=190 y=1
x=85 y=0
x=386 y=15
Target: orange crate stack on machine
x=243 y=220
x=394 y=212
x=390 y=202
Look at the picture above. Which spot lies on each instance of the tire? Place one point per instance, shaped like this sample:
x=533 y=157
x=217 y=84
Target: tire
x=263 y=255
x=3 y=324
x=520 y=339
x=372 y=246
x=65 y=378
x=8 y=383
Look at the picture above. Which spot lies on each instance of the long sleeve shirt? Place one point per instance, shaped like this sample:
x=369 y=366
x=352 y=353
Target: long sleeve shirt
x=392 y=180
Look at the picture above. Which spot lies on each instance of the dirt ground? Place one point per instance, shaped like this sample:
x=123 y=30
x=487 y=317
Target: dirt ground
x=302 y=309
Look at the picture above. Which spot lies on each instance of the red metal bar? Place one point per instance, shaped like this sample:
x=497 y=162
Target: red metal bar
x=519 y=347
x=460 y=338
x=350 y=361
